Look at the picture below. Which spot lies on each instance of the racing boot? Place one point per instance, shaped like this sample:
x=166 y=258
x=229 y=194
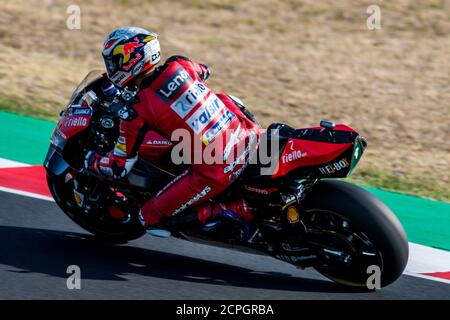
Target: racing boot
x=162 y=227
x=235 y=210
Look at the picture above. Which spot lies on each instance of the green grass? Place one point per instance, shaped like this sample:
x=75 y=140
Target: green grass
x=423 y=187
x=23 y=108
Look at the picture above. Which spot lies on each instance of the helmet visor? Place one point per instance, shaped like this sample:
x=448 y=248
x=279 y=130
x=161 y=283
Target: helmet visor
x=112 y=64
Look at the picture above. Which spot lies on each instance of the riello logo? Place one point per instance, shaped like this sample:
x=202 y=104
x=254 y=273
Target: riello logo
x=76 y=122
x=293 y=155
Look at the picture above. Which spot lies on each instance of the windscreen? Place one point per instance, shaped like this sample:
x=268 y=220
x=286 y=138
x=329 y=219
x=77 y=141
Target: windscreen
x=91 y=76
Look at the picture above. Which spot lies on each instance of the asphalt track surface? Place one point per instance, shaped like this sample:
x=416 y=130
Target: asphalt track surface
x=38 y=242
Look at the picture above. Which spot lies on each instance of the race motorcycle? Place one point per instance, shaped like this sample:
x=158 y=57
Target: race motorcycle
x=303 y=215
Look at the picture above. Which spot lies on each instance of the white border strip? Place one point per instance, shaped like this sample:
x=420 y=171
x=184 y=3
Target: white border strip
x=423 y=259
x=27 y=194
x=5 y=163
x=424 y=276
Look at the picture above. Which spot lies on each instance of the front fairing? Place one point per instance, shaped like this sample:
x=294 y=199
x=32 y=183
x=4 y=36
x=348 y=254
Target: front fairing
x=74 y=118
x=54 y=162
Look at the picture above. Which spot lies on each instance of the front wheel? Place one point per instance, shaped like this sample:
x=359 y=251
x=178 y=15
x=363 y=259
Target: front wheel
x=355 y=234
x=97 y=222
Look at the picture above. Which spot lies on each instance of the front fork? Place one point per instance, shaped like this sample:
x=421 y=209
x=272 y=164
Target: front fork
x=95 y=197
x=86 y=192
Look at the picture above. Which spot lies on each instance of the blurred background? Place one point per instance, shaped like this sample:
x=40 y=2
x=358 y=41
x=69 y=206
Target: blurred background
x=291 y=61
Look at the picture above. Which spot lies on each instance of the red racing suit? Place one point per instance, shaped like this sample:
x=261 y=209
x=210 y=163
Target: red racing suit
x=174 y=99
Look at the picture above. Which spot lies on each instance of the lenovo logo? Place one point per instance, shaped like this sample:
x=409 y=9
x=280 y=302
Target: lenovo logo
x=174 y=84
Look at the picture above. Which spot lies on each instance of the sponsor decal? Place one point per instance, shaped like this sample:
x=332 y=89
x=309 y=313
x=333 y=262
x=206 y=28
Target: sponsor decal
x=258 y=190
x=132 y=62
x=154 y=57
x=125 y=50
x=76 y=122
x=206 y=113
x=172 y=182
x=221 y=124
x=82 y=111
x=293 y=155
x=138 y=68
x=174 y=84
x=153 y=50
x=337 y=166
x=189 y=99
x=119 y=77
x=158 y=142
x=197 y=197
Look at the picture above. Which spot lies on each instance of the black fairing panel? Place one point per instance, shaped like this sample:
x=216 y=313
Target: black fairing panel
x=149 y=177
x=54 y=162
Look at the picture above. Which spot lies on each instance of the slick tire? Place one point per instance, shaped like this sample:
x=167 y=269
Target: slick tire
x=368 y=215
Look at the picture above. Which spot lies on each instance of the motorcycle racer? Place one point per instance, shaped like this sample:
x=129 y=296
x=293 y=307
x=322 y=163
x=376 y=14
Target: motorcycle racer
x=168 y=98
x=301 y=213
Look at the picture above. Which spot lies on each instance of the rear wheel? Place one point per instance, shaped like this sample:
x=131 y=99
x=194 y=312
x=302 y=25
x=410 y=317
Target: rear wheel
x=354 y=234
x=99 y=222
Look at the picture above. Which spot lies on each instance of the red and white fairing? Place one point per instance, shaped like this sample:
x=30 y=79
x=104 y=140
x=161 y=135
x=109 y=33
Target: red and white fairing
x=303 y=153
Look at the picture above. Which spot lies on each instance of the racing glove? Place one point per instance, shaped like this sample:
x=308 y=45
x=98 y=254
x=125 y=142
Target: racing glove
x=109 y=165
